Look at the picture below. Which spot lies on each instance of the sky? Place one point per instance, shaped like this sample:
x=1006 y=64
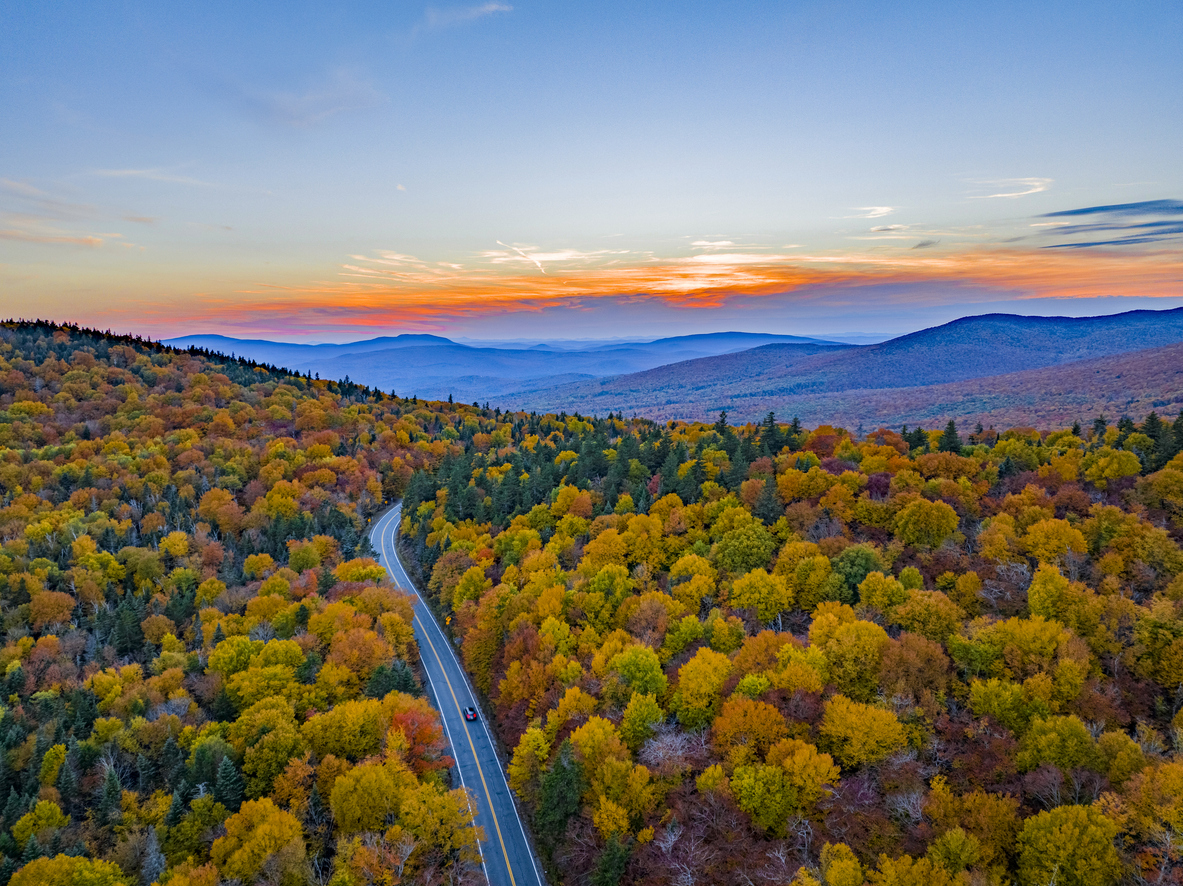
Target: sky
x=329 y=172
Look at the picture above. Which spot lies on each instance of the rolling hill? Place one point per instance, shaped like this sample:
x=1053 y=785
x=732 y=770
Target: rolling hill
x=793 y=379
x=435 y=367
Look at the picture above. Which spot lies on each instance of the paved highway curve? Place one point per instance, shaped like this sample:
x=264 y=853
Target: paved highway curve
x=505 y=852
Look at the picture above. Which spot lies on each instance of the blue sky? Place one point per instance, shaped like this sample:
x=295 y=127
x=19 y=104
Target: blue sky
x=307 y=170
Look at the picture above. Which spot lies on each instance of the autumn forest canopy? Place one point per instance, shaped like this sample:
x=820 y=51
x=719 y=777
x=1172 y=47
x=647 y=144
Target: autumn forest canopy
x=766 y=653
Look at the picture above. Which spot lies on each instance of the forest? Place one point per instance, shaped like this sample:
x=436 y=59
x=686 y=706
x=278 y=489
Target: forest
x=207 y=677
x=763 y=654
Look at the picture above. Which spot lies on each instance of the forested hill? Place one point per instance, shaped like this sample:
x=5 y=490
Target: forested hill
x=207 y=678
x=765 y=653
x=750 y=383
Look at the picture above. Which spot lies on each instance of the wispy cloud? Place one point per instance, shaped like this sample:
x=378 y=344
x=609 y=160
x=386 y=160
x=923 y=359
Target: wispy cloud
x=882 y=229
x=452 y=16
x=925 y=244
x=156 y=174
x=712 y=244
x=1146 y=207
x=340 y=91
x=1012 y=187
x=51 y=239
x=872 y=212
x=1156 y=220
x=42 y=204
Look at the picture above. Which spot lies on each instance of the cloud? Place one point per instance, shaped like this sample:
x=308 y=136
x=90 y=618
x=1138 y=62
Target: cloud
x=1110 y=219
x=880 y=229
x=341 y=91
x=142 y=219
x=872 y=212
x=711 y=244
x=1013 y=187
x=437 y=19
x=1146 y=207
x=50 y=239
x=156 y=175
x=42 y=204
x=924 y=244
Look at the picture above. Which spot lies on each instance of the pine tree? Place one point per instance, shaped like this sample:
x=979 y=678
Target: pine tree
x=561 y=789
x=223 y=709
x=770 y=437
x=228 y=786
x=111 y=796
x=145 y=771
x=768 y=505
x=612 y=862
x=176 y=810
x=950 y=440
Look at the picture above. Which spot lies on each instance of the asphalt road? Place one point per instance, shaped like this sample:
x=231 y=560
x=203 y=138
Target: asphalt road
x=505 y=852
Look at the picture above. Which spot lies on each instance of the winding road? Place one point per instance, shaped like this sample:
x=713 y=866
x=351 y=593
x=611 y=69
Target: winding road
x=505 y=852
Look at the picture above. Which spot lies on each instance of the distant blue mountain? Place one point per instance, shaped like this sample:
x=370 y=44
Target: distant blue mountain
x=434 y=366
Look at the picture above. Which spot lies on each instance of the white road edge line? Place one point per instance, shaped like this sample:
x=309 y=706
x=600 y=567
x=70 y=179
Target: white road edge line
x=446 y=642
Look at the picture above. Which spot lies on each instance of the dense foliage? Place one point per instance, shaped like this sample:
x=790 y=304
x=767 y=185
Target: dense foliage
x=206 y=678
x=763 y=654
x=772 y=655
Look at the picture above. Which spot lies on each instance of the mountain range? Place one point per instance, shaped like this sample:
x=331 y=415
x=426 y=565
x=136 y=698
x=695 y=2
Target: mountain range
x=1001 y=368
x=435 y=368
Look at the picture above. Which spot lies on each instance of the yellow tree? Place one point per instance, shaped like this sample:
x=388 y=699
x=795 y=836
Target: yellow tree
x=699 y=682
x=857 y=734
x=260 y=833
x=1069 y=845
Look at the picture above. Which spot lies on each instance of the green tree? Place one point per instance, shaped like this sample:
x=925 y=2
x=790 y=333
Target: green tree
x=950 y=440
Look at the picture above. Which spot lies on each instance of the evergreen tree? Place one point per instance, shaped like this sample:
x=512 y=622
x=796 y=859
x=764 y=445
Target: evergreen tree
x=145 y=772
x=795 y=435
x=309 y=668
x=1099 y=427
x=612 y=862
x=176 y=810
x=770 y=437
x=950 y=440
x=110 y=797
x=561 y=788
x=769 y=507
x=721 y=426
x=228 y=786
x=32 y=850
x=223 y=709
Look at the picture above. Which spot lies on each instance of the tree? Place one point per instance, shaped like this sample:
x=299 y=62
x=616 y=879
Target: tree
x=926 y=524
x=641 y=715
x=767 y=594
x=529 y=763
x=950 y=440
x=258 y=834
x=228 y=786
x=67 y=870
x=749 y=726
x=858 y=734
x=640 y=669
x=562 y=786
x=699 y=681
x=1069 y=845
